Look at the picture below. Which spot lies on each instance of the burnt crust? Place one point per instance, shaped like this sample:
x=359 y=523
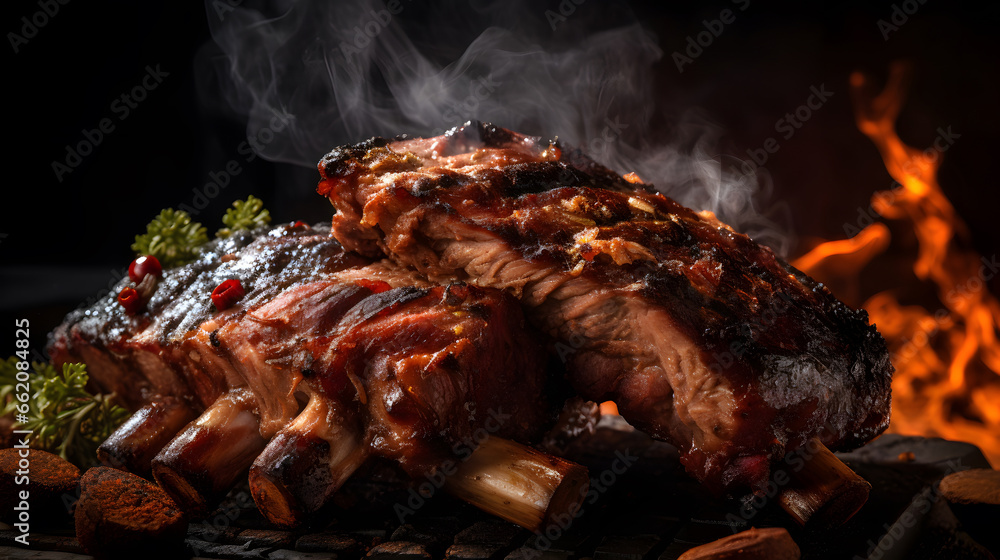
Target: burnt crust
x=799 y=362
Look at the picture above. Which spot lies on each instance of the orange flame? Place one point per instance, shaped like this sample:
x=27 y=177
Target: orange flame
x=947 y=380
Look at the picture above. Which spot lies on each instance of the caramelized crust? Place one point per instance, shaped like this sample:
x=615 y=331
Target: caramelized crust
x=417 y=368
x=702 y=336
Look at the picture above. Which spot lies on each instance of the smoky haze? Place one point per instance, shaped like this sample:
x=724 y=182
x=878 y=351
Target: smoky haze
x=308 y=76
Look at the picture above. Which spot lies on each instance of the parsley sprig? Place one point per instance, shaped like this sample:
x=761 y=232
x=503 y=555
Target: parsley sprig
x=246 y=214
x=172 y=238
x=175 y=239
x=65 y=418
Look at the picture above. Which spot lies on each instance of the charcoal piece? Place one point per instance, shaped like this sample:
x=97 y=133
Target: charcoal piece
x=285 y=554
x=492 y=532
x=944 y=455
x=529 y=553
x=695 y=533
x=474 y=552
x=620 y=547
x=369 y=537
x=209 y=532
x=574 y=541
x=327 y=542
x=56 y=543
x=234 y=552
x=399 y=550
x=674 y=550
x=435 y=532
x=21 y=553
x=265 y=537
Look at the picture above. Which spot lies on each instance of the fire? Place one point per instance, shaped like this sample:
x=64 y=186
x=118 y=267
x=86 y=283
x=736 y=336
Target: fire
x=947 y=357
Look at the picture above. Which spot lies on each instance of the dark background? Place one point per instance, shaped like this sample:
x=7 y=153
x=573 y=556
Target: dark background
x=62 y=241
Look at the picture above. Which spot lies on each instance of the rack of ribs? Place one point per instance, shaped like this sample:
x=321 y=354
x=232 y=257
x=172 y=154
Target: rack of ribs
x=700 y=335
x=329 y=358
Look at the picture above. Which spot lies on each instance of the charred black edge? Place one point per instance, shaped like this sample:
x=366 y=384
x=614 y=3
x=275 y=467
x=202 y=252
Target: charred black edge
x=864 y=344
x=490 y=135
x=869 y=349
x=343 y=160
x=376 y=303
x=76 y=329
x=575 y=168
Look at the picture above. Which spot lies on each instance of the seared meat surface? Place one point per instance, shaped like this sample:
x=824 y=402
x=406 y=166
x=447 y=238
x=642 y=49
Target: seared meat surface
x=168 y=348
x=701 y=336
x=414 y=367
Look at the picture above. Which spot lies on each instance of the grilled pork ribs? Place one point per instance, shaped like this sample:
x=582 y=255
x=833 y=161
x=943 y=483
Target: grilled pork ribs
x=328 y=358
x=700 y=335
x=396 y=332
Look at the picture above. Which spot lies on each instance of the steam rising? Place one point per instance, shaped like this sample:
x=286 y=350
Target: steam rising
x=309 y=76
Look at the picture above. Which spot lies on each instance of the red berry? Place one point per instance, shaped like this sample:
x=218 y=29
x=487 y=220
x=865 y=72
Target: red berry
x=297 y=227
x=142 y=266
x=227 y=293
x=130 y=300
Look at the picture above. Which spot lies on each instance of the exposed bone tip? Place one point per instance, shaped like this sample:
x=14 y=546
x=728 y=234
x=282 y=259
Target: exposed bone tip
x=201 y=463
x=567 y=499
x=520 y=484
x=825 y=493
x=306 y=463
x=274 y=501
x=133 y=445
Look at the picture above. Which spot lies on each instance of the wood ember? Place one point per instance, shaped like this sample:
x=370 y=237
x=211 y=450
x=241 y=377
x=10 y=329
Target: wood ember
x=974 y=486
x=46 y=479
x=765 y=544
x=974 y=498
x=120 y=513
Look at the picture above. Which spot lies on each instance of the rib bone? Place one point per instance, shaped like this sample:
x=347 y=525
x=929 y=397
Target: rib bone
x=306 y=463
x=134 y=444
x=199 y=466
x=524 y=486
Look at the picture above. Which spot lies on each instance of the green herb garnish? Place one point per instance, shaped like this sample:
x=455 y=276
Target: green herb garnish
x=172 y=238
x=244 y=215
x=65 y=418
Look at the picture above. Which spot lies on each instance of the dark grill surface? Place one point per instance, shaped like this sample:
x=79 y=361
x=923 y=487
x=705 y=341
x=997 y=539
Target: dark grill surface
x=645 y=511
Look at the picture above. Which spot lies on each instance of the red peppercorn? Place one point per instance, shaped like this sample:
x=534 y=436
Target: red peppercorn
x=227 y=293
x=298 y=226
x=130 y=299
x=142 y=266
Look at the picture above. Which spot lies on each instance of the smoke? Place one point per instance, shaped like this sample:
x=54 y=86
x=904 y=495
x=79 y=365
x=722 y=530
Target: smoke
x=308 y=76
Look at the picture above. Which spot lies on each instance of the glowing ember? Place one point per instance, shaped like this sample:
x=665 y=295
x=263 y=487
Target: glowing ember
x=609 y=408
x=947 y=380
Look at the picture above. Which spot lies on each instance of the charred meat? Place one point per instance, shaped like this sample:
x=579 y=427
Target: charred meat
x=327 y=359
x=700 y=335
